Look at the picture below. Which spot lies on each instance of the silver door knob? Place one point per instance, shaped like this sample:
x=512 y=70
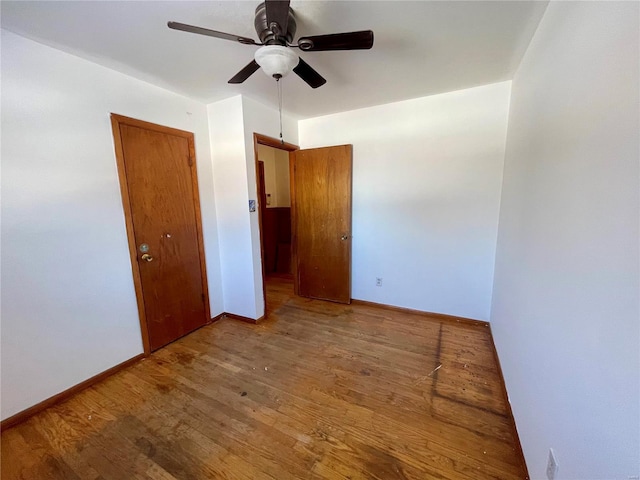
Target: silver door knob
x=344 y=237
x=147 y=258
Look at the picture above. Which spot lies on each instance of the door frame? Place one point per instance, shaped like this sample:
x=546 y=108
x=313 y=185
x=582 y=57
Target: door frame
x=259 y=139
x=116 y=121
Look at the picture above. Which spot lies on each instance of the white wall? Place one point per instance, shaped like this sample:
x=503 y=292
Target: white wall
x=68 y=302
x=276 y=175
x=565 y=311
x=232 y=123
x=226 y=129
x=283 y=182
x=426 y=189
x=267 y=156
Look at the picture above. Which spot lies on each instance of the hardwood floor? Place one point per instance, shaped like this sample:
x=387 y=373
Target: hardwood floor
x=316 y=391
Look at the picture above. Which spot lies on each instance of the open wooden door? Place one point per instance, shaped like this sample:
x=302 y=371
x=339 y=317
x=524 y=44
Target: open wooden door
x=321 y=222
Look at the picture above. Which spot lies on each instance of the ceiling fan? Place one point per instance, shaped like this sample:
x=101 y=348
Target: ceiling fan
x=275 y=25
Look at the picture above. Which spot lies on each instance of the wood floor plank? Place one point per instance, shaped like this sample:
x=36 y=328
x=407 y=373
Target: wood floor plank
x=316 y=391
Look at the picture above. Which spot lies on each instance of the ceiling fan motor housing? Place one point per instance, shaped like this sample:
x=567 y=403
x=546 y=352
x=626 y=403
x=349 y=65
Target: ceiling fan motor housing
x=266 y=34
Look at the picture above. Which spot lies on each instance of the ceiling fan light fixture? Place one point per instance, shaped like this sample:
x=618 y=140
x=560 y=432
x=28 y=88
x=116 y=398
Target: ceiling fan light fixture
x=275 y=60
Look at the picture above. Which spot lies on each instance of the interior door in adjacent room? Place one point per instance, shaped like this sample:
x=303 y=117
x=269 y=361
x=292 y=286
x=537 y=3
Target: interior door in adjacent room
x=162 y=210
x=321 y=222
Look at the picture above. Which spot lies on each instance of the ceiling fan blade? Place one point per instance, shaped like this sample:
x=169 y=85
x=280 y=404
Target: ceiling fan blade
x=362 y=40
x=211 y=33
x=309 y=75
x=245 y=73
x=278 y=12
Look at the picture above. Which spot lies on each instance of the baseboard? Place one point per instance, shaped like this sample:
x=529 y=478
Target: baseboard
x=60 y=397
x=439 y=316
x=508 y=404
x=243 y=319
x=217 y=317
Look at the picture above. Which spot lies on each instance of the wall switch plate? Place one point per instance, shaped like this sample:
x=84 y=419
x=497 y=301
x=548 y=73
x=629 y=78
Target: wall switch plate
x=378 y=282
x=552 y=465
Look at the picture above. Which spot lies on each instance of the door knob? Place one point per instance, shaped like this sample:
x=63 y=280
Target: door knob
x=147 y=258
x=344 y=237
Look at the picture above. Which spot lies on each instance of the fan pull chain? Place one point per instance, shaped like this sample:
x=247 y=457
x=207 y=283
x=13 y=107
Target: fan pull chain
x=280 y=107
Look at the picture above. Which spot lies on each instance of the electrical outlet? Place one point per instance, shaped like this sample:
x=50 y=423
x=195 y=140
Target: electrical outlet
x=552 y=465
x=378 y=282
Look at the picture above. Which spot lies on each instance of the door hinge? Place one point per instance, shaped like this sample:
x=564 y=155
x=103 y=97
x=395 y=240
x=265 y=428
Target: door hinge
x=190 y=161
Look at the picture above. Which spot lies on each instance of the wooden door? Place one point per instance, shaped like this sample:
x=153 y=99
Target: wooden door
x=160 y=196
x=321 y=222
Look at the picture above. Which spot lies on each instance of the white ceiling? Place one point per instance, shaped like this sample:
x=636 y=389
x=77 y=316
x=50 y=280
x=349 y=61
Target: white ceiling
x=421 y=47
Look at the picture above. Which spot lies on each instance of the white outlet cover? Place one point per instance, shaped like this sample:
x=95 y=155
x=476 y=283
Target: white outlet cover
x=552 y=465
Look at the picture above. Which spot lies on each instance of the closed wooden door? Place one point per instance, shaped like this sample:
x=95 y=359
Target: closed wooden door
x=160 y=195
x=321 y=222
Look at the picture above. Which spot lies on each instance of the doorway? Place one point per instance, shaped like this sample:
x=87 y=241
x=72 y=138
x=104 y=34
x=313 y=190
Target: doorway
x=159 y=186
x=274 y=201
x=305 y=238
x=275 y=208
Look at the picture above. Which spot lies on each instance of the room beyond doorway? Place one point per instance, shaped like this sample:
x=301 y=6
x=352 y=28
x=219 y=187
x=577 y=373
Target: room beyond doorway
x=275 y=207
